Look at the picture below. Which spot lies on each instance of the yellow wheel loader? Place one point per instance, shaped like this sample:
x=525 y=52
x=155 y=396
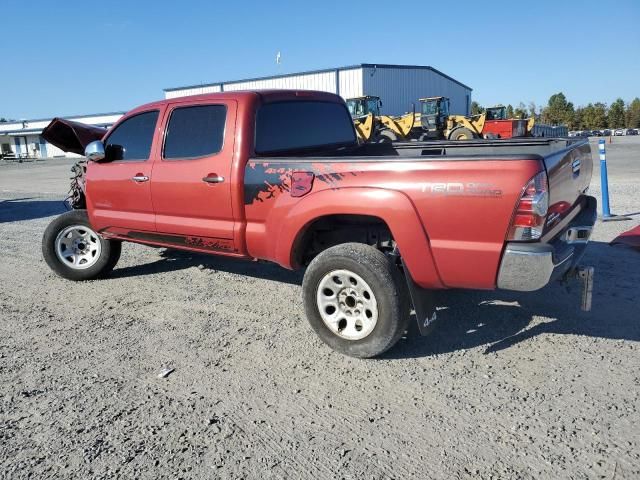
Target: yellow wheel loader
x=364 y=112
x=436 y=122
x=371 y=126
x=432 y=122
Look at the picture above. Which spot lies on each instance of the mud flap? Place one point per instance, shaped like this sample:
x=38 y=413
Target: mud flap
x=424 y=303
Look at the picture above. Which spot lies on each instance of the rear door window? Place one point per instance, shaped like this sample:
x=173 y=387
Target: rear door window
x=195 y=131
x=287 y=126
x=132 y=139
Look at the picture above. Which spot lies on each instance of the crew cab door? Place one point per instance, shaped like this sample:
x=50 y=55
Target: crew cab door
x=191 y=184
x=118 y=190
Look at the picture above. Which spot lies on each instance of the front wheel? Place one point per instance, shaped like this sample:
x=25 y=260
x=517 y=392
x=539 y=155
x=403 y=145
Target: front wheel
x=462 y=134
x=355 y=300
x=73 y=250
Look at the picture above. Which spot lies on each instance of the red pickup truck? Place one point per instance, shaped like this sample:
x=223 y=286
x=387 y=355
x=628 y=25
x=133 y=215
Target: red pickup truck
x=279 y=176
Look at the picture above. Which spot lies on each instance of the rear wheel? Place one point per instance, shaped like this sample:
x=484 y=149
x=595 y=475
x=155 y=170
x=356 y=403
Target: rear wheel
x=462 y=134
x=75 y=251
x=355 y=300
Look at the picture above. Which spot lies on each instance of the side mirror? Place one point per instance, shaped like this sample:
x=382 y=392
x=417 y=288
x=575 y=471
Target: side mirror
x=95 y=151
x=114 y=152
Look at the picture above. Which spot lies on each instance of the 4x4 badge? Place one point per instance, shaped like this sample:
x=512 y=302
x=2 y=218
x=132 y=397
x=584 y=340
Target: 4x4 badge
x=428 y=321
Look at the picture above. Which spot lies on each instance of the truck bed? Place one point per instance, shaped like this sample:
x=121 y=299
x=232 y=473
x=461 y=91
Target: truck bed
x=516 y=148
x=567 y=161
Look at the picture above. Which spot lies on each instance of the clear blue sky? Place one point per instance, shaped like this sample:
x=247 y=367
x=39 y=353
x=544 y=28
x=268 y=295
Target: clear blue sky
x=73 y=57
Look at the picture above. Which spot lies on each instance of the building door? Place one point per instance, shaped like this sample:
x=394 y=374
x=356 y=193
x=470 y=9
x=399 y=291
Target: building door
x=43 y=147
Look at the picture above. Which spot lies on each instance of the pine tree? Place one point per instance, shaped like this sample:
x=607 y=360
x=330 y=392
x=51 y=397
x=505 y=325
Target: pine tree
x=616 y=114
x=633 y=114
x=558 y=111
x=476 y=109
x=510 y=113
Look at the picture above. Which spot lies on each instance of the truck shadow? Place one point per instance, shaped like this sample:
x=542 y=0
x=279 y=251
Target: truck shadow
x=173 y=260
x=19 y=209
x=497 y=320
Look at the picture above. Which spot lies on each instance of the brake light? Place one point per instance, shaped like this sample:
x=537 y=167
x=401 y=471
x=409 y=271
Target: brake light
x=531 y=211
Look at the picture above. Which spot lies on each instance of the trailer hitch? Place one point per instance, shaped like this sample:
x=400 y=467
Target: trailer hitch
x=585 y=276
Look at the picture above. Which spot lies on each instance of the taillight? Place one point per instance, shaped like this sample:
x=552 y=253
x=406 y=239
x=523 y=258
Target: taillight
x=531 y=211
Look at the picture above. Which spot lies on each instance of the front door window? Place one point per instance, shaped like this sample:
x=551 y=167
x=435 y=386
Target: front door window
x=131 y=140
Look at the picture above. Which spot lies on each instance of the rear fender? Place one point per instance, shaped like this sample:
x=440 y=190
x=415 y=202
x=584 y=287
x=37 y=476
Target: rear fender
x=393 y=207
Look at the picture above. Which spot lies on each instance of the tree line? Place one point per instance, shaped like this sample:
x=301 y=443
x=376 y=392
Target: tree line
x=559 y=111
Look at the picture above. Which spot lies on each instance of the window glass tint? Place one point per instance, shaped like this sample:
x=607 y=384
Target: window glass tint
x=294 y=125
x=195 y=131
x=373 y=106
x=131 y=140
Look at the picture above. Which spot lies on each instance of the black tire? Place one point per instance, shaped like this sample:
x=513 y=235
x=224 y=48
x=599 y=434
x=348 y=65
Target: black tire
x=387 y=288
x=462 y=134
x=386 y=136
x=106 y=260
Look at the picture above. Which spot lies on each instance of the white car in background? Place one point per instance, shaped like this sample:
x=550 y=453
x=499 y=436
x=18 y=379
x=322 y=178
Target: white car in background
x=619 y=132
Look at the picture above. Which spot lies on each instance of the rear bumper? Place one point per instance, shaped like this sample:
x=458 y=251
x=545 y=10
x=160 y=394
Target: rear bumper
x=527 y=267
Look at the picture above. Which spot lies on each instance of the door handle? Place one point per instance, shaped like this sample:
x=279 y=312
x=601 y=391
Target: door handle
x=213 y=178
x=140 y=178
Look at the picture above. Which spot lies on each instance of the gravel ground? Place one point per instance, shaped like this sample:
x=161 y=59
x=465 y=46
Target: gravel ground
x=507 y=386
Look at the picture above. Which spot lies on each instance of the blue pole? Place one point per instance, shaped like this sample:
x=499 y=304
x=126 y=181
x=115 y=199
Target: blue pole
x=604 y=180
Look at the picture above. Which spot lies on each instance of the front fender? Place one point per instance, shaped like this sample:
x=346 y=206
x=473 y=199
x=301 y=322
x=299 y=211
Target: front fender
x=393 y=207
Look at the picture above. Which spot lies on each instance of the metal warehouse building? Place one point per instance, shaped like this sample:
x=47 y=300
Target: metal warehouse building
x=399 y=86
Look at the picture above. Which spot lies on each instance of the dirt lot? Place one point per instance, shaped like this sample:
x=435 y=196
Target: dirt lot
x=507 y=386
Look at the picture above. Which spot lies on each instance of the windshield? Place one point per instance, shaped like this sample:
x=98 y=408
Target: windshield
x=357 y=107
x=435 y=107
x=497 y=113
x=373 y=105
x=351 y=106
x=430 y=107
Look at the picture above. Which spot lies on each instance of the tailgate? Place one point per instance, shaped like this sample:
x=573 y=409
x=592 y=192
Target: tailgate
x=569 y=172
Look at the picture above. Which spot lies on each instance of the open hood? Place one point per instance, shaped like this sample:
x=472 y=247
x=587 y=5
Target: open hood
x=72 y=136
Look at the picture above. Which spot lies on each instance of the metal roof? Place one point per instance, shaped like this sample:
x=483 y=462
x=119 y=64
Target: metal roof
x=325 y=70
x=66 y=117
x=37 y=131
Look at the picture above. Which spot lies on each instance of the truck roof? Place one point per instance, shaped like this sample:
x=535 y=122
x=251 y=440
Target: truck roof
x=271 y=95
